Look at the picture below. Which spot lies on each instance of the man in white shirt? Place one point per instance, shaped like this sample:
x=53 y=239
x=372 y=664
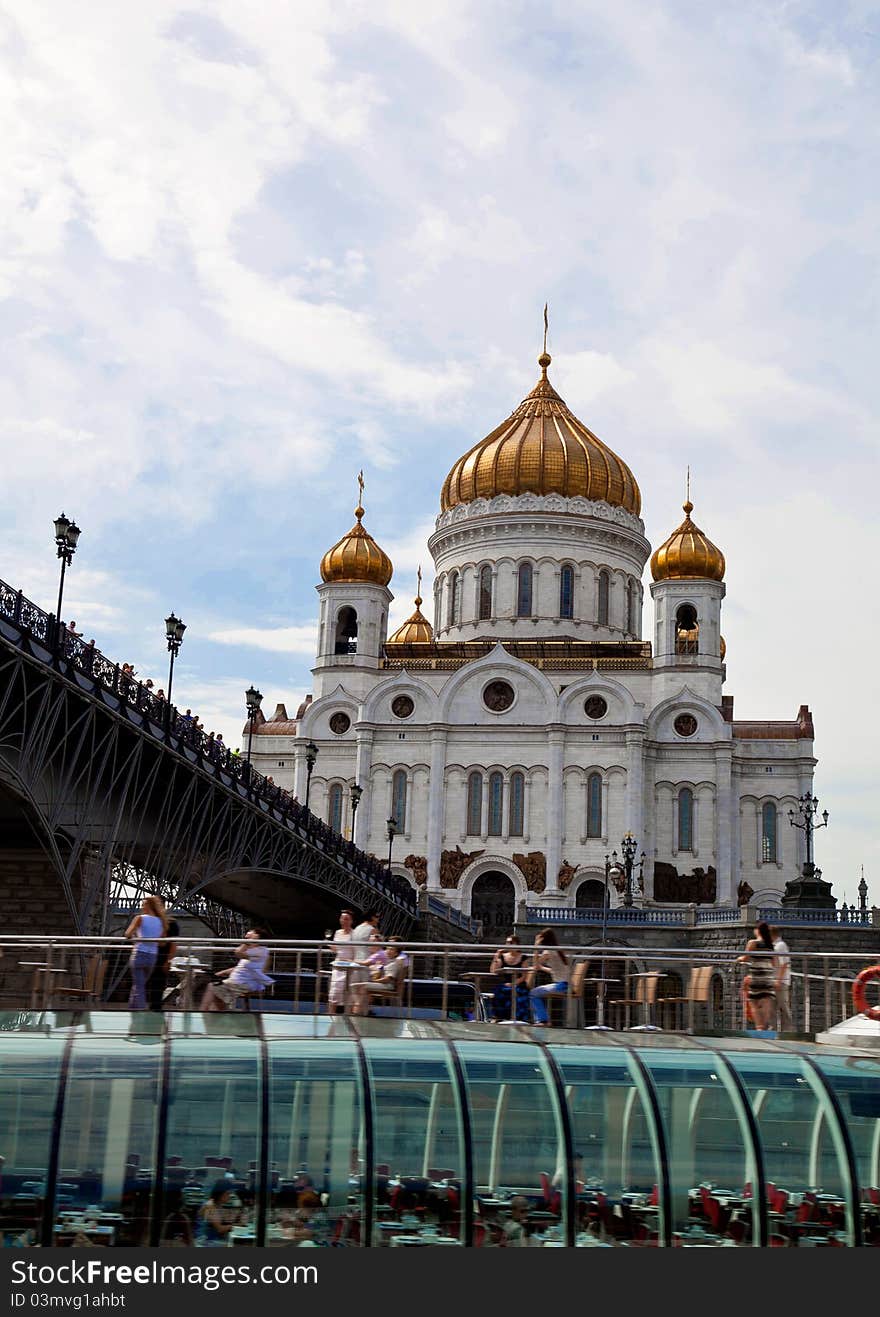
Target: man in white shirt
x=783 y=981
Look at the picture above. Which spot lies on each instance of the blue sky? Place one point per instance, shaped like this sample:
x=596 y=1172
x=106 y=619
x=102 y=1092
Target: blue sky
x=248 y=249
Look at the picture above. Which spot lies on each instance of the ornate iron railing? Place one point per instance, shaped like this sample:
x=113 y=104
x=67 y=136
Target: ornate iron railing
x=437 y=907
x=181 y=731
x=846 y=915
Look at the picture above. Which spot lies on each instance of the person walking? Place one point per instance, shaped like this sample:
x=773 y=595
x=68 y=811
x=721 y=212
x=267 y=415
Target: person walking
x=158 y=980
x=783 y=980
x=343 y=949
x=760 y=983
x=145 y=929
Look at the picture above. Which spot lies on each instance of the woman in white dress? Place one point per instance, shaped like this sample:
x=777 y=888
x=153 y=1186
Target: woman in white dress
x=344 y=950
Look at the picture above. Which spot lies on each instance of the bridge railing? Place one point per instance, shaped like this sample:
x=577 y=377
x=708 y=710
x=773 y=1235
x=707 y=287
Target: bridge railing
x=441 y=980
x=164 y=722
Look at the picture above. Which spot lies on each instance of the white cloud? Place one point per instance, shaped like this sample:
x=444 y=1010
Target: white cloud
x=277 y=640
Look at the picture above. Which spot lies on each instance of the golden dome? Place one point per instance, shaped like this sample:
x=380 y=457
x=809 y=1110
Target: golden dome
x=722 y=644
x=542 y=448
x=357 y=556
x=416 y=630
x=687 y=553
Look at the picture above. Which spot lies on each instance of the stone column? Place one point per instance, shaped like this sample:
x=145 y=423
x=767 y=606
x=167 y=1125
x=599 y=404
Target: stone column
x=363 y=776
x=436 y=803
x=635 y=795
x=555 y=805
x=724 y=888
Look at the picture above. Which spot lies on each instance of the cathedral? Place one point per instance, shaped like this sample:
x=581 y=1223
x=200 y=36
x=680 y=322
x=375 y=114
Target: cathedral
x=516 y=739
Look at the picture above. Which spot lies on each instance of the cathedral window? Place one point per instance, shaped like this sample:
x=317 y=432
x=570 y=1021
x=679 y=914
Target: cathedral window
x=566 y=592
x=604 y=591
x=346 y=632
x=524 y=590
x=475 y=804
x=334 y=807
x=685 y=819
x=516 y=813
x=484 y=603
x=631 y=607
x=768 y=833
x=496 y=801
x=594 y=805
x=452 y=616
x=398 y=799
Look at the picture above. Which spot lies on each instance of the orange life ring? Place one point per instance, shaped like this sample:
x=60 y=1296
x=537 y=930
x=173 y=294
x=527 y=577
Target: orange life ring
x=860 y=1001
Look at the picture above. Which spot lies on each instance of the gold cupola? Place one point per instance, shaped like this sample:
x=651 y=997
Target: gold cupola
x=688 y=553
x=357 y=556
x=542 y=448
x=416 y=630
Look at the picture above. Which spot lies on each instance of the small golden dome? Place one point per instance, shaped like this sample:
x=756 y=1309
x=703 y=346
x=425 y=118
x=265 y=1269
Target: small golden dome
x=542 y=448
x=687 y=553
x=416 y=630
x=722 y=644
x=357 y=556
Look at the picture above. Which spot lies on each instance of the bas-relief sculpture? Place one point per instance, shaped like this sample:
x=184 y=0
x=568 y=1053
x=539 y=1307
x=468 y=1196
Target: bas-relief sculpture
x=418 y=866
x=744 y=893
x=670 y=885
x=453 y=865
x=533 y=868
x=566 y=874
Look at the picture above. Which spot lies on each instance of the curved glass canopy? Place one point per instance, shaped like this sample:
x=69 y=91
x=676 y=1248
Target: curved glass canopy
x=236 y=1130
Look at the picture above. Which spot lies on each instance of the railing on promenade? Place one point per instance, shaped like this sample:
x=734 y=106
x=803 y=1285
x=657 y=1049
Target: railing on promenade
x=618 y=986
x=164 y=722
x=684 y=917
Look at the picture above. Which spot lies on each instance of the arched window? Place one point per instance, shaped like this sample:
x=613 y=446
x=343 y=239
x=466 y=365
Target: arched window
x=398 y=799
x=631 y=607
x=604 y=591
x=566 y=592
x=594 y=805
x=524 y=590
x=346 y=631
x=454 y=592
x=687 y=630
x=768 y=833
x=496 y=800
x=475 y=804
x=484 y=599
x=334 y=807
x=516 y=811
x=685 y=819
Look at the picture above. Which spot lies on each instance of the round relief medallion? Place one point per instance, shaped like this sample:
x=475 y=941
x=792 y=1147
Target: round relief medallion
x=685 y=724
x=498 y=696
x=402 y=706
x=595 y=706
x=339 y=723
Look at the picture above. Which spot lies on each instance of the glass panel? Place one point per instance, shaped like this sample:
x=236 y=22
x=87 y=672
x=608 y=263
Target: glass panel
x=418 y=1141
x=616 y=1164
x=496 y=814
x=524 y=590
x=213 y=1140
x=485 y=609
x=768 y=833
x=108 y=1134
x=316 y=1148
x=475 y=804
x=685 y=819
x=28 y=1089
x=566 y=592
x=603 y=598
x=711 y=1160
x=630 y=607
x=594 y=806
x=452 y=615
x=517 y=798
x=856 y=1082
x=398 y=799
x=801 y=1180
x=334 y=811
x=518 y=1146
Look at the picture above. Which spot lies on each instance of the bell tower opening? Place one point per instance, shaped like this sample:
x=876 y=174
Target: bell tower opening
x=687 y=630
x=346 y=632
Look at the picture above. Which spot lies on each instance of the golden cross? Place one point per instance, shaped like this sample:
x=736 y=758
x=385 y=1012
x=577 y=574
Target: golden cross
x=546 y=327
x=360 y=487
x=419 y=578
x=689 y=484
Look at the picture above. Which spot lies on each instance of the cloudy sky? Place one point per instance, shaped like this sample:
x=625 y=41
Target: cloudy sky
x=247 y=248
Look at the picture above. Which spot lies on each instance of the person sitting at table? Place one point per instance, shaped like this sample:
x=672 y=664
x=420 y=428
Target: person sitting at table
x=247 y=976
x=214 y=1223
x=506 y=959
x=297 y=1230
x=387 y=985
x=516 y=1229
x=556 y=964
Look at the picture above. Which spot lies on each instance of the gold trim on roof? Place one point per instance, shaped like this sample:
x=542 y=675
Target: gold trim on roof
x=542 y=448
x=688 y=553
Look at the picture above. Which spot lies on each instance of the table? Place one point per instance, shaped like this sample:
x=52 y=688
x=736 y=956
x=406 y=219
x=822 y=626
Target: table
x=648 y=1005
x=40 y=1001
x=407 y=1241
x=600 y=999
x=186 y=967
x=100 y=1234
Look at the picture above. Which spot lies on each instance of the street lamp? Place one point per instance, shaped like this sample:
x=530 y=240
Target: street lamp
x=66 y=535
x=311 y=759
x=808 y=807
x=391 y=826
x=612 y=871
x=629 y=846
x=356 y=793
x=253 y=699
x=174 y=630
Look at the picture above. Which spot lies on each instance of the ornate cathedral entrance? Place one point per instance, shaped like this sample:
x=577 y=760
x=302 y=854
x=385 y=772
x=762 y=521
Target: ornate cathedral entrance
x=493 y=899
x=589 y=895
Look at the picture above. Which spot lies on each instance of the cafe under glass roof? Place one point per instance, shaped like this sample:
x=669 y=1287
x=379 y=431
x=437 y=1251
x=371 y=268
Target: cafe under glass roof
x=238 y=1129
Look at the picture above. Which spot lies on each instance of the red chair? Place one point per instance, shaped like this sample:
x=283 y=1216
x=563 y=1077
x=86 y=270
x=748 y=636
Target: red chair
x=736 y=1231
x=747 y=1189
x=552 y=1197
x=479 y=1234
x=779 y=1201
x=654 y=1200
x=778 y=1241
x=718 y=1215
x=874 y=1197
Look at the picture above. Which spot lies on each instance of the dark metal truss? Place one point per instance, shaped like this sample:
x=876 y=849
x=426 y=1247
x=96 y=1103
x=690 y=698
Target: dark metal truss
x=117 y=781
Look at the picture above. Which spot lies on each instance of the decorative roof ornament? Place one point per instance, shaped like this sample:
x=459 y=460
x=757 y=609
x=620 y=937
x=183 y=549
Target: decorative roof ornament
x=357 y=557
x=688 y=553
x=416 y=630
x=542 y=448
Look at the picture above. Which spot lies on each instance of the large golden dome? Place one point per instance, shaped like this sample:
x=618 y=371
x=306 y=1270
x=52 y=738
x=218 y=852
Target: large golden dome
x=357 y=557
x=542 y=448
x=687 y=553
x=416 y=630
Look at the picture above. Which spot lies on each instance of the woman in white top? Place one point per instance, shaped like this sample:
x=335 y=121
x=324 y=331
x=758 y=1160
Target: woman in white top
x=344 y=950
x=556 y=964
x=248 y=975
x=145 y=928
